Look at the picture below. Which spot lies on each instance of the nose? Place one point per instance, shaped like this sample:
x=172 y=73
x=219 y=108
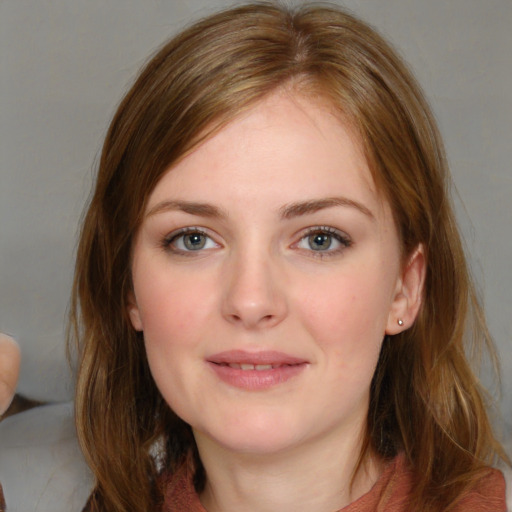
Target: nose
x=254 y=296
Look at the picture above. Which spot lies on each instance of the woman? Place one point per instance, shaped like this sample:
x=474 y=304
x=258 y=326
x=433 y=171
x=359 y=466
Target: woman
x=271 y=299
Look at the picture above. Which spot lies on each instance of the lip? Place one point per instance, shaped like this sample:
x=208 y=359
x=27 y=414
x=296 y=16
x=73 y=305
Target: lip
x=228 y=367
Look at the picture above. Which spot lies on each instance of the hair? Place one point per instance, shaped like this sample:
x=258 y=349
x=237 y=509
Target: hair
x=425 y=400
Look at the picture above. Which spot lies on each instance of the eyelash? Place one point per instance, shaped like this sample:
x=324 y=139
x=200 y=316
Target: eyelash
x=167 y=242
x=344 y=241
x=342 y=238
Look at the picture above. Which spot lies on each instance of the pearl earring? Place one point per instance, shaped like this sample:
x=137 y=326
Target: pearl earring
x=400 y=322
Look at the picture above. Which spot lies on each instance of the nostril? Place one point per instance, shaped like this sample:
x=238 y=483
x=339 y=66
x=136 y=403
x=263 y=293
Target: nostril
x=252 y=320
x=253 y=305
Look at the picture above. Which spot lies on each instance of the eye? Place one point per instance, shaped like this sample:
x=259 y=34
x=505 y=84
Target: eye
x=324 y=240
x=189 y=240
x=319 y=241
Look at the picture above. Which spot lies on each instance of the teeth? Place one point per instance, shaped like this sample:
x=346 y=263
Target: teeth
x=246 y=366
x=264 y=367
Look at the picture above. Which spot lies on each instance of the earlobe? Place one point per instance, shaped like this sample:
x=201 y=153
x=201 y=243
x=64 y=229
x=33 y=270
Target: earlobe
x=409 y=293
x=134 y=313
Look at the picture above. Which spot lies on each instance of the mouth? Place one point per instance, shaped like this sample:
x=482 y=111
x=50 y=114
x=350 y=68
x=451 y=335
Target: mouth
x=256 y=371
x=263 y=360
x=250 y=367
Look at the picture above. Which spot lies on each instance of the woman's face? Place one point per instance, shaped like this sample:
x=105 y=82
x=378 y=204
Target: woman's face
x=266 y=273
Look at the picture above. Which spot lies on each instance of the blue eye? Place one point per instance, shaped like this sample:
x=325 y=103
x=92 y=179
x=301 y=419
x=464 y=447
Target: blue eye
x=324 y=239
x=189 y=240
x=320 y=242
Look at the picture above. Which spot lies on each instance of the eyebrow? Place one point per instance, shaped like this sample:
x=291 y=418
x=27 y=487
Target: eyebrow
x=201 y=209
x=286 y=212
x=315 y=205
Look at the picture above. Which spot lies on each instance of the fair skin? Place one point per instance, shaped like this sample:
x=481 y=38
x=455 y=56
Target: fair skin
x=9 y=370
x=263 y=321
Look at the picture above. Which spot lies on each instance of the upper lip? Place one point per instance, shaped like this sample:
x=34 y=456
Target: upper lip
x=256 y=358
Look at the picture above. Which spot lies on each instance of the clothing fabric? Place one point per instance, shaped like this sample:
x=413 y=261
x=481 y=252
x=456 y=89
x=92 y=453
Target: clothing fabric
x=389 y=494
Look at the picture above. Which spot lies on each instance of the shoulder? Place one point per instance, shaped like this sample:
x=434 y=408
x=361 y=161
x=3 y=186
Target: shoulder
x=487 y=495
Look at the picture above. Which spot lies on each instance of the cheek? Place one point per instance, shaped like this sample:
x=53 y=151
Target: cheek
x=172 y=307
x=175 y=319
x=347 y=318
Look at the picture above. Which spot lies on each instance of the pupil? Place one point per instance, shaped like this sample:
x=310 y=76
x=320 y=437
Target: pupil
x=320 y=241
x=194 y=241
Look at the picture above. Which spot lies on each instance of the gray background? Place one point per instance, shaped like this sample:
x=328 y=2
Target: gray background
x=65 y=65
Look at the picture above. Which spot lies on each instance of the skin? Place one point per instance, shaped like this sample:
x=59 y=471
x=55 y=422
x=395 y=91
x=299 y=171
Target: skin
x=261 y=282
x=9 y=370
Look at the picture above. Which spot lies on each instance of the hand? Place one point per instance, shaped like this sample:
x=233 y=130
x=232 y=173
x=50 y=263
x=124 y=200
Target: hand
x=9 y=370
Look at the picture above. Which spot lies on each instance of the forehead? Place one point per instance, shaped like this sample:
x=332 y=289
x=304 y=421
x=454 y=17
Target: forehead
x=287 y=147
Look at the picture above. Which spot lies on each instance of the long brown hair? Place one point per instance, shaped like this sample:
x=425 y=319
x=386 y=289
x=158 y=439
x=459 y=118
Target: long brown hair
x=425 y=400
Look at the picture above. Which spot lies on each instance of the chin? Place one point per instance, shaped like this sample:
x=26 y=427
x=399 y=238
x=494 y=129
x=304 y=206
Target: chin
x=256 y=436
x=263 y=444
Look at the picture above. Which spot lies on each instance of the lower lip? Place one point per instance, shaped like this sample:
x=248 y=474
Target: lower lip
x=256 y=380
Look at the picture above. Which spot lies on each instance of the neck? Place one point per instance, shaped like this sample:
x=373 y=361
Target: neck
x=320 y=476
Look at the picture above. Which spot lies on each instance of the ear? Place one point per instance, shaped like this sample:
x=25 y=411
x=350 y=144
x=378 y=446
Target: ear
x=134 y=313
x=408 y=294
